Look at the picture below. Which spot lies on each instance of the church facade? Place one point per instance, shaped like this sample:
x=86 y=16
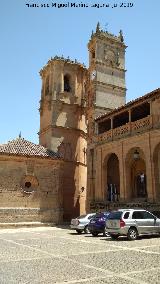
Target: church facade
x=72 y=96
x=95 y=151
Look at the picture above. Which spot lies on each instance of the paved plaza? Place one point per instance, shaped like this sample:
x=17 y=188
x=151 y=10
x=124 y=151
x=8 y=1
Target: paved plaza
x=59 y=255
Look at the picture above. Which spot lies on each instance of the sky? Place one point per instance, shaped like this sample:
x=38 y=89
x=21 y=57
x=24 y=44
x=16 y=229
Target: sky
x=29 y=36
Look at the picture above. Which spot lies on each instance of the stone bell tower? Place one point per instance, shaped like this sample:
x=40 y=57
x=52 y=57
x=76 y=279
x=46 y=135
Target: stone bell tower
x=63 y=126
x=107 y=89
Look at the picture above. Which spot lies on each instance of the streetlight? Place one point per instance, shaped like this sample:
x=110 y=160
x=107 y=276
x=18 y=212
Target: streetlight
x=136 y=155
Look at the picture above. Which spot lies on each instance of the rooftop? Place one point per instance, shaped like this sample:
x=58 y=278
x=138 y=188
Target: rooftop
x=22 y=147
x=64 y=60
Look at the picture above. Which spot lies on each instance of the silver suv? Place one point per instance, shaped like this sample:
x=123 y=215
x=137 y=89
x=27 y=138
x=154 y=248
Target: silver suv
x=131 y=223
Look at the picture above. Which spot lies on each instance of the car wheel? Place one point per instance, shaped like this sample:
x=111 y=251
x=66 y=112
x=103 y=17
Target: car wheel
x=79 y=231
x=114 y=237
x=94 y=234
x=86 y=230
x=132 y=234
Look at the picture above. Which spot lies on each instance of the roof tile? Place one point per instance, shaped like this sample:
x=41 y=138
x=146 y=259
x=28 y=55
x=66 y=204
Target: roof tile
x=20 y=146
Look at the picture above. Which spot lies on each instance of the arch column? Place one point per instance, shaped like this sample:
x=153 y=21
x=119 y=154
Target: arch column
x=122 y=175
x=156 y=171
x=149 y=171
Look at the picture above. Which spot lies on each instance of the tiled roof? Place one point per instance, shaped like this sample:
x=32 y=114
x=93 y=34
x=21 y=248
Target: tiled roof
x=20 y=146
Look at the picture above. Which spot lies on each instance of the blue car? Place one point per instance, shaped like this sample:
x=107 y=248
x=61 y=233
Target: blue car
x=97 y=224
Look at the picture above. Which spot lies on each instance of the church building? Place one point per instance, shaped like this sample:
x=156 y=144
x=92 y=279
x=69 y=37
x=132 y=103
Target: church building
x=95 y=152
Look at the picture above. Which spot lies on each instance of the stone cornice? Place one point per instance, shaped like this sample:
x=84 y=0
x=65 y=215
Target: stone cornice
x=111 y=85
x=109 y=66
x=61 y=60
x=22 y=158
x=51 y=127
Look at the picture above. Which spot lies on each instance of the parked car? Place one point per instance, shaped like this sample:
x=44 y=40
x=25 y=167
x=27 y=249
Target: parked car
x=132 y=223
x=98 y=223
x=80 y=223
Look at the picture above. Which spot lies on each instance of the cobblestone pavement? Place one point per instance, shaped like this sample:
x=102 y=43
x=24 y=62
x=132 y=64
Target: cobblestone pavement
x=59 y=255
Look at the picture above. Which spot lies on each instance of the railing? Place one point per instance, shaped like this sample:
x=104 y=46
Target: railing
x=125 y=130
x=141 y=124
x=122 y=130
x=106 y=136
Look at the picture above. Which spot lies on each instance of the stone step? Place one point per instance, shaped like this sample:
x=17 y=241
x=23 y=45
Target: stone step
x=25 y=224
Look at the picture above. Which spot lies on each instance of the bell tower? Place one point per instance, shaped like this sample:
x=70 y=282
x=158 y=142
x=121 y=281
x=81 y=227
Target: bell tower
x=63 y=126
x=107 y=89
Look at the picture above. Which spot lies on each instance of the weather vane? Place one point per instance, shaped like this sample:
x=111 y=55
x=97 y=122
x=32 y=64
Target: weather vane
x=106 y=27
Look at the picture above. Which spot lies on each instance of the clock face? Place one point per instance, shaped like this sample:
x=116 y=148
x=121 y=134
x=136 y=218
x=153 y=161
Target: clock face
x=93 y=74
x=110 y=56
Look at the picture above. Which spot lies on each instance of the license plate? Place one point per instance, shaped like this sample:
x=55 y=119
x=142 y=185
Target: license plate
x=93 y=222
x=112 y=224
x=74 y=222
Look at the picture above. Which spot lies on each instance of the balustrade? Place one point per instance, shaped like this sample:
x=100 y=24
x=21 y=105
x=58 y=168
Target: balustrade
x=127 y=129
x=144 y=123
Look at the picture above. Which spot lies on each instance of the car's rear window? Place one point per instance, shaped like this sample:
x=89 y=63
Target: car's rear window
x=101 y=215
x=115 y=215
x=82 y=216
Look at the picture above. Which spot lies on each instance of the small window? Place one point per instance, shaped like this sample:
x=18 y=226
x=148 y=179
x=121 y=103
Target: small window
x=67 y=87
x=47 y=86
x=28 y=184
x=82 y=216
x=91 y=216
x=126 y=215
x=148 y=215
x=93 y=54
x=115 y=215
x=138 y=215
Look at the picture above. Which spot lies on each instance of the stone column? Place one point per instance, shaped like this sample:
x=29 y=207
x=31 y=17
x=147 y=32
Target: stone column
x=149 y=171
x=112 y=127
x=122 y=173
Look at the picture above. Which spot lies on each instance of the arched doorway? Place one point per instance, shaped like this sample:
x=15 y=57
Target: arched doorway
x=138 y=179
x=113 y=179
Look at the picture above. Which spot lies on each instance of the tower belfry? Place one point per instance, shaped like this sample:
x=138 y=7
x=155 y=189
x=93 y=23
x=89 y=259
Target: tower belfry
x=63 y=125
x=107 y=89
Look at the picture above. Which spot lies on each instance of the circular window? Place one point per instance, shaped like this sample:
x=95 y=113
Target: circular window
x=27 y=184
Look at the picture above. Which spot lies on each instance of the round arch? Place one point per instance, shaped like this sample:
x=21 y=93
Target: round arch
x=135 y=168
x=111 y=177
x=67 y=83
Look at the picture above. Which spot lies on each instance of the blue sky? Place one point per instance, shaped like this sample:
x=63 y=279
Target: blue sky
x=30 y=36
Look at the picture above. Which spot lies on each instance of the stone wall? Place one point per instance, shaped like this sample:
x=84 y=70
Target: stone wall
x=42 y=201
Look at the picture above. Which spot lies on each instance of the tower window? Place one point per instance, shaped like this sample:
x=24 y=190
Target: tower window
x=67 y=87
x=47 y=86
x=93 y=54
